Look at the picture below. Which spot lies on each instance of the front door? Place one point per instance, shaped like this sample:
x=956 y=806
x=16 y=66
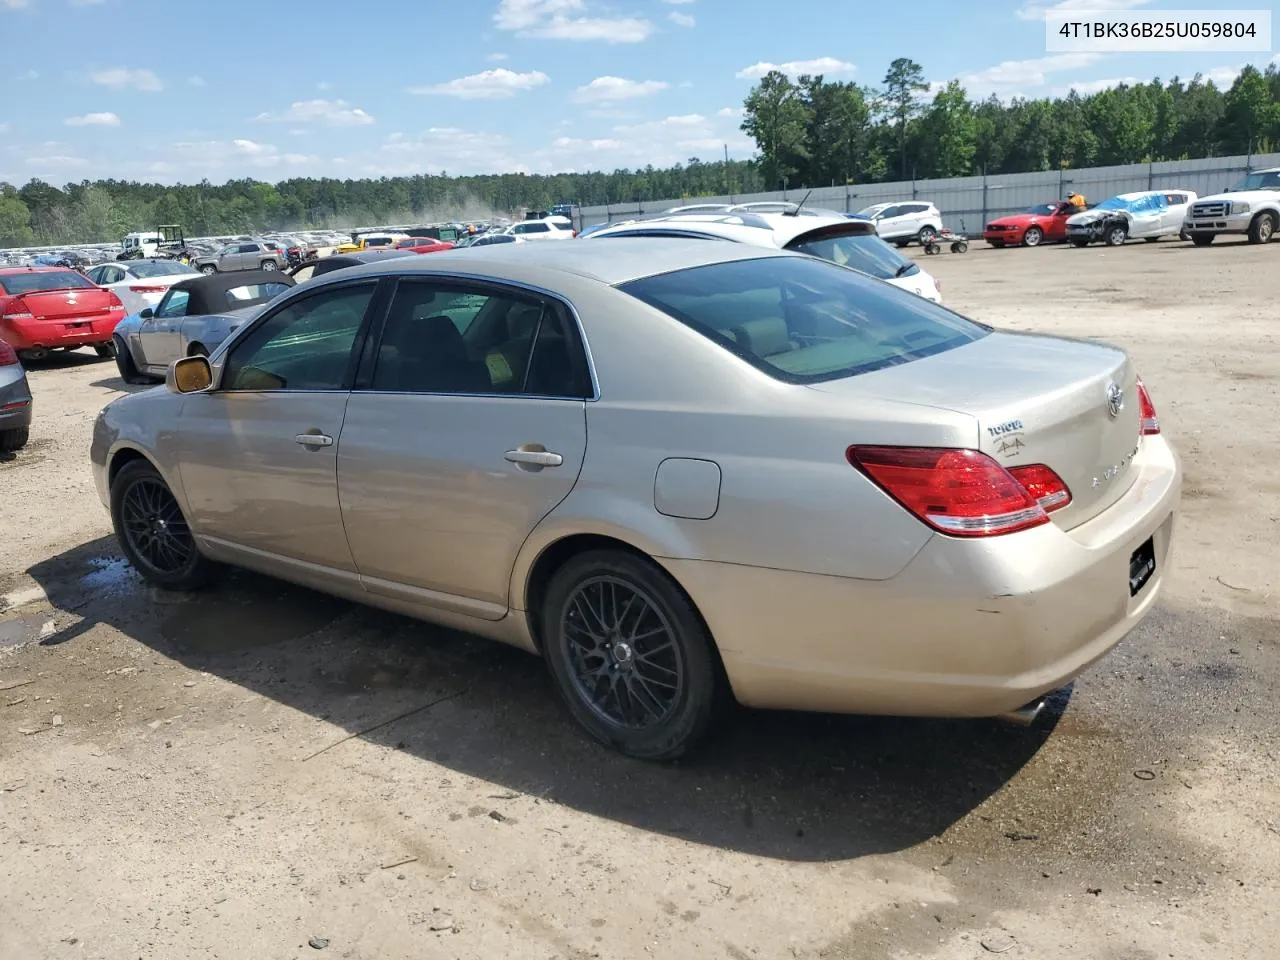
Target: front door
x=1148 y=216
x=472 y=429
x=158 y=335
x=258 y=452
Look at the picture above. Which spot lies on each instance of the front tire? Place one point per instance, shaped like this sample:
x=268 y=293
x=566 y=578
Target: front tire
x=1032 y=237
x=1202 y=239
x=630 y=656
x=208 y=269
x=1116 y=236
x=14 y=439
x=1263 y=228
x=129 y=371
x=1079 y=242
x=152 y=531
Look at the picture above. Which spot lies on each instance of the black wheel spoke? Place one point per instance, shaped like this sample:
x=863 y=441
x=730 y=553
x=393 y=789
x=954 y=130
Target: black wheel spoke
x=153 y=525
x=622 y=652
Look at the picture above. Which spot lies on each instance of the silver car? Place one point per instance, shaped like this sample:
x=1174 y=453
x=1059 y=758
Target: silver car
x=680 y=471
x=15 y=401
x=242 y=255
x=193 y=317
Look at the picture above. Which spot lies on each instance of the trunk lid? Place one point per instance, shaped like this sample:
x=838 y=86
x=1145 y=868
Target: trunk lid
x=68 y=305
x=1036 y=399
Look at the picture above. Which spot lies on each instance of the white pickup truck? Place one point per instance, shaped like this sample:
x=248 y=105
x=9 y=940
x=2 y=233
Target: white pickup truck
x=1251 y=207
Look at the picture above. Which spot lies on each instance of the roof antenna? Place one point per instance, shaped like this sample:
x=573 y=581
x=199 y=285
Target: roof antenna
x=803 y=201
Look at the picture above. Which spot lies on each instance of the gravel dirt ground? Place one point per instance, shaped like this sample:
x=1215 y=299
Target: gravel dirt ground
x=264 y=772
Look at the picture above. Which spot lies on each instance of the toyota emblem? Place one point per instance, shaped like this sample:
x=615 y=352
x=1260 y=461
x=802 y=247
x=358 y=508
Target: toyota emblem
x=1115 y=399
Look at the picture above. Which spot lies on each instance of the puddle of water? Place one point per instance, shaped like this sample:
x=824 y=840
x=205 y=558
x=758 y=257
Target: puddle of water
x=110 y=575
x=16 y=633
x=245 y=614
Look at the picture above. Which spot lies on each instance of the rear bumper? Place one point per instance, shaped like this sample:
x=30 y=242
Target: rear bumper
x=15 y=401
x=968 y=628
x=54 y=334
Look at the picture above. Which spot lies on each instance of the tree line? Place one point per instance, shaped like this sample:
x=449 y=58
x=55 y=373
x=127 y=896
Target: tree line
x=808 y=132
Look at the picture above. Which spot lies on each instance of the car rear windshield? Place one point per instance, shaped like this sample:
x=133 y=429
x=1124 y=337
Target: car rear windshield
x=254 y=293
x=19 y=283
x=161 y=268
x=802 y=320
x=855 y=248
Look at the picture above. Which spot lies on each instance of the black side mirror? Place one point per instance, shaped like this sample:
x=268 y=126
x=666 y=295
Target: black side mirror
x=146 y=313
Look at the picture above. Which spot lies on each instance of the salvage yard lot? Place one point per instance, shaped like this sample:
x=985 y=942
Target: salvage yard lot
x=238 y=773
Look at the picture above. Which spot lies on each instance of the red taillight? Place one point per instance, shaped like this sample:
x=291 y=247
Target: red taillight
x=1043 y=484
x=141 y=289
x=7 y=355
x=114 y=304
x=14 y=309
x=1147 y=411
x=964 y=493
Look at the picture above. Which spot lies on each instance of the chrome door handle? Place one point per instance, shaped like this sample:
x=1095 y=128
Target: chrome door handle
x=314 y=440
x=534 y=458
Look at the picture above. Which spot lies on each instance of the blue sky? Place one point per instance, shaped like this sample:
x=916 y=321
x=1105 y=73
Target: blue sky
x=157 y=90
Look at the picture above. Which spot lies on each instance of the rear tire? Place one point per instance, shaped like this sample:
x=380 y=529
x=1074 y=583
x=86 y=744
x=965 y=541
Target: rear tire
x=14 y=439
x=129 y=371
x=1263 y=228
x=1080 y=243
x=153 y=533
x=927 y=235
x=105 y=350
x=1151 y=239
x=208 y=269
x=1032 y=237
x=1202 y=239
x=269 y=266
x=616 y=628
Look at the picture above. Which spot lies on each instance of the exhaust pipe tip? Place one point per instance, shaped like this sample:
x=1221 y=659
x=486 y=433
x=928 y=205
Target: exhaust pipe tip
x=1026 y=714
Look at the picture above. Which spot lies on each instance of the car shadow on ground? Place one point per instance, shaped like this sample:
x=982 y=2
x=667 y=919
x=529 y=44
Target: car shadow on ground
x=66 y=360
x=117 y=383
x=793 y=786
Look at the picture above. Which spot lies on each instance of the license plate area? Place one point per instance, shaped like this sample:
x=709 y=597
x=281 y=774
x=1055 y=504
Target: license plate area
x=1142 y=564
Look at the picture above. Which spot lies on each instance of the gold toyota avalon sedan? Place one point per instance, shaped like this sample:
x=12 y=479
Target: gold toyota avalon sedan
x=680 y=471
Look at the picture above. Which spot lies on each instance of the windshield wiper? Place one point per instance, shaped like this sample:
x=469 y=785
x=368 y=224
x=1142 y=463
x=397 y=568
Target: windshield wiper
x=903 y=269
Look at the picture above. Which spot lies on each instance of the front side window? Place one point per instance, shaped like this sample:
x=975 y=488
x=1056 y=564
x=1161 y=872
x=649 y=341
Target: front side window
x=440 y=339
x=174 y=304
x=802 y=320
x=307 y=345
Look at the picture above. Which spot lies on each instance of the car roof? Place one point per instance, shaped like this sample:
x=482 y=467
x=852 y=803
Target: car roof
x=617 y=262
x=208 y=292
x=758 y=229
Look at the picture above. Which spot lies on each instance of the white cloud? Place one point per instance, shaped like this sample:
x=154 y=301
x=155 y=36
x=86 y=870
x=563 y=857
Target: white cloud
x=676 y=3
x=333 y=113
x=556 y=20
x=1041 y=9
x=86 y=3
x=1086 y=87
x=1011 y=75
x=4 y=128
x=496 y=84
x=29 y=75
x=57 y=160
x=828 y=66
x=729 y=112
x=497 y=57
x=324 y=85
x=13 y=4
x=613 y=89
x=122 y=77
x=681 y=19
x=93 y=120
x=230 y=157
x=1224 y=77
x=197 y=81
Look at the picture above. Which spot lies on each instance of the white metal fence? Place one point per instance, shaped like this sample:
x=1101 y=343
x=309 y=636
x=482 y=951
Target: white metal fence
x=967 y=203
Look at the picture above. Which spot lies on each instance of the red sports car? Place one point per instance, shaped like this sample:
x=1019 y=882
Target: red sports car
x=1043 y=223
x=52 y=308
x=423 y=245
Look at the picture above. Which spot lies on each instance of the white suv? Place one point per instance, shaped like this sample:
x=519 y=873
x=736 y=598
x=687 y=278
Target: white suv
x=901 y=223
x=546 y=228
x=1251 y=207
x=825 y=234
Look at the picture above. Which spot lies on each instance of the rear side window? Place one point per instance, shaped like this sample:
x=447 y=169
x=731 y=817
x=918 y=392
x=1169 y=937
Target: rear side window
x=802 y=320
x=864 y=252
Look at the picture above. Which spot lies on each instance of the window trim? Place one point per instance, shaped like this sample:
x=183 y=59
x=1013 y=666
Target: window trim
x=483 y=287
x=376 y=307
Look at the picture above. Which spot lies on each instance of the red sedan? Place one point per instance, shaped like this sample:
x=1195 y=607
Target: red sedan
x=1043 y=223
x=52 y=308
x=423 y=245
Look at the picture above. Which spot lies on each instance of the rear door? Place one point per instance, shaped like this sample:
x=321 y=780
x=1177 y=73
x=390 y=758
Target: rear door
x=467 y=428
